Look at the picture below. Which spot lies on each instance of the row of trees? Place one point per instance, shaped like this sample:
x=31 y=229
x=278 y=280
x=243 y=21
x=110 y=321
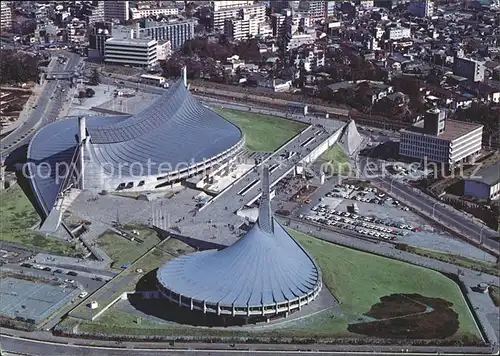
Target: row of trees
x=17 y=68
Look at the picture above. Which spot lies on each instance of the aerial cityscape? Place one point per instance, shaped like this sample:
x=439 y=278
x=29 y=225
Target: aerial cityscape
x=250 y=177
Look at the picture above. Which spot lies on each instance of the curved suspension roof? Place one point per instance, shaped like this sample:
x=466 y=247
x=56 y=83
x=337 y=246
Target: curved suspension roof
x=265 y=267
x=175 y=132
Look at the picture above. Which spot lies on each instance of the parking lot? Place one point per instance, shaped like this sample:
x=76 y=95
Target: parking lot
x=359 y=207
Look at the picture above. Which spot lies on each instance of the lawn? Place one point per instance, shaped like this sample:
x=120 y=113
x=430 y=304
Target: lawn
x=358 y=280
x=263 y=133
x=17 y=217
x=337 y=160
x=127 y=280
x=466 y=262
x=122 y=250
x=495 y=294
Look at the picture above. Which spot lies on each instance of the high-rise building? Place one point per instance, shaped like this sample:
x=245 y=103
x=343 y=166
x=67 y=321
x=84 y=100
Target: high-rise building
x=176 y=30
x=131 y=51
x=117 y=10
x=99 y=33
x=94 y=12
x=223 y=10
x=421 y=8
x=469 y=68
x=6 y=15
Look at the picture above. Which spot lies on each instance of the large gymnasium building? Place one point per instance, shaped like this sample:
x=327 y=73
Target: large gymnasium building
x=172 y=139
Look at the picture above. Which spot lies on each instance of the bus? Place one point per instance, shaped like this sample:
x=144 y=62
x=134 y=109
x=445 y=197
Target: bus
x=155 y=80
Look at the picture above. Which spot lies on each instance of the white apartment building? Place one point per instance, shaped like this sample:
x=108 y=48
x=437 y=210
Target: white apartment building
x=153 y=11
x=221 y=12
x=442 y=141
x=131 y=51
x=247 y=27
x=366 y=4
x=5 y=15
x=398 y=32
x=469 y=68
x=164 y=50
x=117 y=10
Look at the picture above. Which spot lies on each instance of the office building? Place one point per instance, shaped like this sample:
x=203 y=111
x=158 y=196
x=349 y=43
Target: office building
x=224 y=10
x=98 y=35
x=5 y=15
x=315 y=9
x=469 y=68
x=131 y=51
x=139 y=13
x=94 y=12
x=421 y=8
x=117 y=11
x=398 y=32
x=437 y=139
x=177 y=30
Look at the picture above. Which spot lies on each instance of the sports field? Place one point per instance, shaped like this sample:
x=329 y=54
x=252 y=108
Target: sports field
x=17 y=217
x=263 y=133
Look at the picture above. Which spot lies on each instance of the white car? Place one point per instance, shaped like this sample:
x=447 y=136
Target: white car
x=71 y=281
x=83 y=294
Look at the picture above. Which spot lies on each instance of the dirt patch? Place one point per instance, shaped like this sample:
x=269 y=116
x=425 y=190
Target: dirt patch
x=409 y=316
x=301 y=195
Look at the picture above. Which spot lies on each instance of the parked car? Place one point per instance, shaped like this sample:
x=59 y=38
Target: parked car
x=83 y=294
x=58 y=271
x=71 y=281
x=26 y=265
x=71 y=273
x=48 y=269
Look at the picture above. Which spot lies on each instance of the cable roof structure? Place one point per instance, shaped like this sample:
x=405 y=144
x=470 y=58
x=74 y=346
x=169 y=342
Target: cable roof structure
x=264 y=273
x=174 y=138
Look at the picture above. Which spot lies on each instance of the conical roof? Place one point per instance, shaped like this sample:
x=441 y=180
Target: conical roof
x=265 y=267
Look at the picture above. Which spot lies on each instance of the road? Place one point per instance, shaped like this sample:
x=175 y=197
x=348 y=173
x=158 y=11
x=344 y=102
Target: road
x=46 y=109
x=77 y=347
x=83 y=280
x=431 y=207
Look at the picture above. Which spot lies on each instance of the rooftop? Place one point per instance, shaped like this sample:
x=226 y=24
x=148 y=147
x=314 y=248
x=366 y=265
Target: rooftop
x=453 y=129
x=488 y=175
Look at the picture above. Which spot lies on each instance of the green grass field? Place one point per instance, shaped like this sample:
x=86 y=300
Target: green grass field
x=462 y=261
x=263 y=133
x=127 y=280
x=17 y=216
x=123 y=251
x=359 y=279
x=338 y=160
x=495 y=295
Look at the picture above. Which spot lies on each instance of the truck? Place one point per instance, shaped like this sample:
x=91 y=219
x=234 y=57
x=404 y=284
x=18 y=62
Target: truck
x=355 y=208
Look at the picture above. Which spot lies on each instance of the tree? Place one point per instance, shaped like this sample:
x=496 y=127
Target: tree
x=95 y=78
x=89 y=92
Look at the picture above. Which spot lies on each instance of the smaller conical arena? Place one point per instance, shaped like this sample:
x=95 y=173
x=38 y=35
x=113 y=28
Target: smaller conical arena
x=264 y=274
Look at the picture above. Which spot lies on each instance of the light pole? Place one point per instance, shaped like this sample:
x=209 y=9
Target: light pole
x=434 y=208
x=481 y=235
